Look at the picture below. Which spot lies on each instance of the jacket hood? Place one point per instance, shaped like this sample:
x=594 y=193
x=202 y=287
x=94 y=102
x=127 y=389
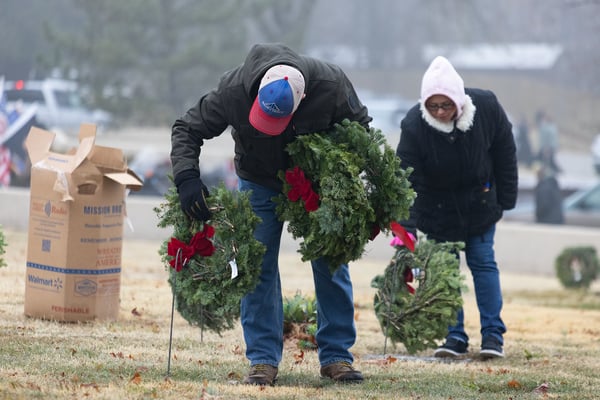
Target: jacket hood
x=264 y=56
x=463 y=123
x=441 y=78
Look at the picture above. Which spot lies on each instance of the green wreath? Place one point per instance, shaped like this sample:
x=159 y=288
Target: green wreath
x=206 y=292
x=577 y=267
x=345 y=186
x=418 y=316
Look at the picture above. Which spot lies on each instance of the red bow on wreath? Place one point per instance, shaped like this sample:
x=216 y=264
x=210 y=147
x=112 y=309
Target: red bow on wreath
x=407 y=241
x=183 y=252
x=401 y=233
x=301 y=188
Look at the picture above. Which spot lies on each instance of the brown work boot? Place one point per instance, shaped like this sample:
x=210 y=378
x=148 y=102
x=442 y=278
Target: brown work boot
x=261 y=374
x=341 y=371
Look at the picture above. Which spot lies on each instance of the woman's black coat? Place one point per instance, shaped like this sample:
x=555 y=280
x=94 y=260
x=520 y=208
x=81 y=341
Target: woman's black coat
x=463 y=179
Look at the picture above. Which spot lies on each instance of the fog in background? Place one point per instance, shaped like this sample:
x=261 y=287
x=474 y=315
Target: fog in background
x=148 y=60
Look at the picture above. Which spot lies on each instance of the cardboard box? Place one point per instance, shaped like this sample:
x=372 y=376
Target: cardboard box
x=76 y=217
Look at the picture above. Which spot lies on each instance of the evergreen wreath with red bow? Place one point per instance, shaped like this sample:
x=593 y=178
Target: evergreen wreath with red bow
x=419 y=294
x=344 y=187
x=212 y=264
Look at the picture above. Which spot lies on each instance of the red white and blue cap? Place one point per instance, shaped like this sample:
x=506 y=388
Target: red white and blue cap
x=279 y=94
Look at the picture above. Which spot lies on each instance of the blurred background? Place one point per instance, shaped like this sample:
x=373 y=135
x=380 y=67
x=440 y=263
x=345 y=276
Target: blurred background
x=134 y=66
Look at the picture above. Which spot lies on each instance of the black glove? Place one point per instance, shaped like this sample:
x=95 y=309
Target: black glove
x=192 y=195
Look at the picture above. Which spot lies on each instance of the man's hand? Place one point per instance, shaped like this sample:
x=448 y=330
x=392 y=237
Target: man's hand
x=192 y=195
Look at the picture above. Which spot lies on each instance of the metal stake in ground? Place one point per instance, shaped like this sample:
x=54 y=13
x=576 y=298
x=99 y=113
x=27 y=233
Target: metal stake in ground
x=178 y=260
x=389 y=308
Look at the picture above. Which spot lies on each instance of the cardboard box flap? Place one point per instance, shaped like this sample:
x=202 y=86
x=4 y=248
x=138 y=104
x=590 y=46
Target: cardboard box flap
x=86 y=178
x=38 y=145
x=108 y=158
x=126 y=179
x=87 y=130
x=136 y=176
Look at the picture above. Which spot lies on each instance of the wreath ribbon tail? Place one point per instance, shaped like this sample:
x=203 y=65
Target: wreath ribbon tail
x=405 y=236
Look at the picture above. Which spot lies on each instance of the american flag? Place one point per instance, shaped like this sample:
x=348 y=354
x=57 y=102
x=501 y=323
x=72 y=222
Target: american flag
x=5 y=162
x=14 y=126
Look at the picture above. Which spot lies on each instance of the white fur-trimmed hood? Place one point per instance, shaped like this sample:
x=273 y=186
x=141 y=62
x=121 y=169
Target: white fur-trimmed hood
x=463 y=123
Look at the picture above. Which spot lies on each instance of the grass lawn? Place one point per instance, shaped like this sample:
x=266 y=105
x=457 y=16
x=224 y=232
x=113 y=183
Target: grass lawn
x=552 y=345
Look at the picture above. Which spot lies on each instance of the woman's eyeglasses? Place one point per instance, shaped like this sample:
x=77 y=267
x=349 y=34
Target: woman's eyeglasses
x=433 y=107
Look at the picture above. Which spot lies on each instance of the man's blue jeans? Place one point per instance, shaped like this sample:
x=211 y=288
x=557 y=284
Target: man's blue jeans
x=479 y=253
x=262 y=310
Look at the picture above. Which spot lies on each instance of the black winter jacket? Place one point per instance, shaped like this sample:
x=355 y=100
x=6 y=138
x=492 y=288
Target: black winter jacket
x=330 y=98
x=463 y=180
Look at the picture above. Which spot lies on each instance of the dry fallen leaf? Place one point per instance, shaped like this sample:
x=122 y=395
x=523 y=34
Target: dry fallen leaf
x=514 y=384
x=299 y=357
x=137 y=378
x=233 y=375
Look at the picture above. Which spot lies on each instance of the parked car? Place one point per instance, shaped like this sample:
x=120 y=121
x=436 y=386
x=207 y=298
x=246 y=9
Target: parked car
x=153 y=167
x=59 y=104
x=582 y=208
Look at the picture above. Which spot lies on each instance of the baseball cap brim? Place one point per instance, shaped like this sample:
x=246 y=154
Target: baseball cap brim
x=265 y=123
